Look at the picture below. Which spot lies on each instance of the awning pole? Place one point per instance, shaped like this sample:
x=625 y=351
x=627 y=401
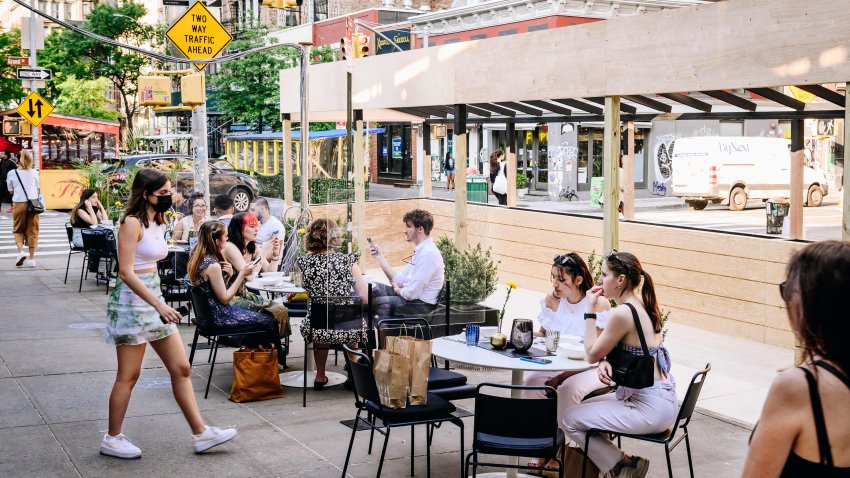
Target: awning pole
x=611 y=173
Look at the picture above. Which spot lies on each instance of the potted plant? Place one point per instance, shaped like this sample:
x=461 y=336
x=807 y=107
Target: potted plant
x=521 y=185
x=472 y=275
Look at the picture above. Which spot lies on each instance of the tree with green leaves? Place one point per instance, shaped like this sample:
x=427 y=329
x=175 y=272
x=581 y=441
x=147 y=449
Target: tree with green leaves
x=10 y=87
x=70 y=53
x=85 y=98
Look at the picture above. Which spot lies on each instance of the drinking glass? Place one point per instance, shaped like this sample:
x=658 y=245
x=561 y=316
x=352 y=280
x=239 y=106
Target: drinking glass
x=552 y=339
x=472 y=334
x=522 y=334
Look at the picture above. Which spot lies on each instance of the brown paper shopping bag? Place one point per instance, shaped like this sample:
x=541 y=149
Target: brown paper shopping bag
x=255 y=376
x=418 y=352
x=391 y=376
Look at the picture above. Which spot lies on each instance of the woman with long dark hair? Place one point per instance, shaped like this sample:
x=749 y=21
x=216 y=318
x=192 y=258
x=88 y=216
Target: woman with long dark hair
x=137 y=315
x=804 y=429
x=88 y=212
x=449 y=166
x=497 y=167
x=646 y=410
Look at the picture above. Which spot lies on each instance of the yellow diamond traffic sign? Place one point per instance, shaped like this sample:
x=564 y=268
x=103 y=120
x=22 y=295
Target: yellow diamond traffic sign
x=198 y=34
x=34 y=108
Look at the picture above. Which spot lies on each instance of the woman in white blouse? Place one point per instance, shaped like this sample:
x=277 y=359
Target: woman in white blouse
x=563 y=310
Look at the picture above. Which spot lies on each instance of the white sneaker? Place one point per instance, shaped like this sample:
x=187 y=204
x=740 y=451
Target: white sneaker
x=31 y=263
x=211 y=437
x=119 y=447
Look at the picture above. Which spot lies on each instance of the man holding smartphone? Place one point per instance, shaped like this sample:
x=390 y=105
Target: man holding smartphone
x=270 y=226
x=415 y=290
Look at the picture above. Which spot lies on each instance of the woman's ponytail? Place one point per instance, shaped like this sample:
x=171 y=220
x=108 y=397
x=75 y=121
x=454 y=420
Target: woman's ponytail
x=647 y=293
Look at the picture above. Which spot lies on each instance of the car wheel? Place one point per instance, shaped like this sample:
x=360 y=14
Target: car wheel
x=737 y=199
x=815 y=197
x=699 y=205
x=241 y=199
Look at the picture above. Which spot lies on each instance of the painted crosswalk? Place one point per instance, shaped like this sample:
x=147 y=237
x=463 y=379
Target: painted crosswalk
x=52 y=238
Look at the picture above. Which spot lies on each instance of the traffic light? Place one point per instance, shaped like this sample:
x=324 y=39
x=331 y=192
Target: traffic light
x=361 y=45
x=16 y=127
x=344 y=49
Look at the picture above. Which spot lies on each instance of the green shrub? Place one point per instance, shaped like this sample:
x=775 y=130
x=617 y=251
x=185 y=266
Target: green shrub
x=521 y=180
x=473 y=273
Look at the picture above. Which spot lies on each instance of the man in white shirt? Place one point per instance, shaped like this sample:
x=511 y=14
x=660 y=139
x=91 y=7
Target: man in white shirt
x=270 y=226
x=415 y=290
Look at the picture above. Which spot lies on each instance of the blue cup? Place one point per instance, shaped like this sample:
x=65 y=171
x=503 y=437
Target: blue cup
x=472 y=333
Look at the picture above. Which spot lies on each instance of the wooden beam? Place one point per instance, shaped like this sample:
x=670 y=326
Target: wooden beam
x=414 y=112
x=629 y=109
x=649 y=103
x=461 y=224
x=611 y=172
x=845 y=198
x=688 y=101
x=580 y=105
x=778 y=97
x=477 y=111
x=549 y=106
x=629 y=175
x=359 y=211
x=495 y=109
x=287 y=160
x=825 y=93
x=732 y=99
x=520 y=107
x=795 y=210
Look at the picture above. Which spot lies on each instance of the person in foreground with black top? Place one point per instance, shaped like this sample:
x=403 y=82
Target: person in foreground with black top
x=804 y=429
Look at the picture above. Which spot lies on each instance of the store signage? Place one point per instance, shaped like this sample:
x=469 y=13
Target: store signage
x=396 y=148
x=17 y=61
x=400 y=37
x=34 y=108
x=176 y=3
x=34 y=74
x=198 y=34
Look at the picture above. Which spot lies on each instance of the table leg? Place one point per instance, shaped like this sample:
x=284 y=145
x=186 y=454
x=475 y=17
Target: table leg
x=296 y=379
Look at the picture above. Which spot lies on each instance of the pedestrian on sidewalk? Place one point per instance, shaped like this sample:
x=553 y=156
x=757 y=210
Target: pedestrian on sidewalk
x=499 y=176
x=137 y=315
x=7 y=164
x=449 y=166
x=804 y=428
x=23 y=184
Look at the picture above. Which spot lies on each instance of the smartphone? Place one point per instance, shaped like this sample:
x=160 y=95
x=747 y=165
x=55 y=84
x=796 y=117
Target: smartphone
x=255 y=262
x=369 y=240
x=182 y=310
x=540 y=361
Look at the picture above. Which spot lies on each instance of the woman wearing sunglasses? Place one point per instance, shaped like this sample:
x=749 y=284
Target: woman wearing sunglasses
x=804 y=429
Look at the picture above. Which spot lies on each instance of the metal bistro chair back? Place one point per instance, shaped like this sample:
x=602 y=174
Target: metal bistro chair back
x=72 y=249
x=99 y=246
x=529 y=430
x=686 y=411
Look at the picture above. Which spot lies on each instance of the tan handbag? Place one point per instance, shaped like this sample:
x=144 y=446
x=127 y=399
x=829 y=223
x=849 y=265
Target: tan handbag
x=391 y=376
x=572 y=464
x=255 y=376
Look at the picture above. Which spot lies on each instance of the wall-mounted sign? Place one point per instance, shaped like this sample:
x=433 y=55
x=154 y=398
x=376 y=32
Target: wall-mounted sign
x=400 y=37
x=396 y=148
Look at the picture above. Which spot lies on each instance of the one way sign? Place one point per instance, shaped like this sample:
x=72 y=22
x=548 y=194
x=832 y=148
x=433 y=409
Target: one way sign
x=34 y=74
x=34 y=108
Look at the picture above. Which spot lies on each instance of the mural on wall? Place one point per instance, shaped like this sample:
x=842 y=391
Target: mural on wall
x=663 y=158
x=562 y=163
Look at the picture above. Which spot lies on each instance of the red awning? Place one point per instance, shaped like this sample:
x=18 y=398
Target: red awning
x=6 y=145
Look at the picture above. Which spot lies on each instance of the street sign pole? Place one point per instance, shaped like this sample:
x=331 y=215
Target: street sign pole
x=199 y=141
x=36 y=150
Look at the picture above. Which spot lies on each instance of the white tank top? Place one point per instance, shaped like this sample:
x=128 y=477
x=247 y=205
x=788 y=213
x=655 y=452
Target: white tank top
x=151 y=248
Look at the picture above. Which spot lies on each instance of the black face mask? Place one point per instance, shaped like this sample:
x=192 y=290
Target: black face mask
x=163 y=203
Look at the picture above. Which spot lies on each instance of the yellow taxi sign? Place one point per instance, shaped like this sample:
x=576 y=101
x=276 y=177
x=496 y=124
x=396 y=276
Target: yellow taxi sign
x=34 y=108
x=198 y=34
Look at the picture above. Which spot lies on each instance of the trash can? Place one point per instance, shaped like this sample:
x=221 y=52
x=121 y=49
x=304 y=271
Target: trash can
x=776 y=210
x=476 y=188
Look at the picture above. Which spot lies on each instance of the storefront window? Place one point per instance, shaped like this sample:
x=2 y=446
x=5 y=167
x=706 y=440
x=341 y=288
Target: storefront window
x=394 y=152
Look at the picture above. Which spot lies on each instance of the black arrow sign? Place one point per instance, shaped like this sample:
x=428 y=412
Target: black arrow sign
x=32 y=111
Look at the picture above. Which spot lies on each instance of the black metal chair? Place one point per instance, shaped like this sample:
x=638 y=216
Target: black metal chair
x=383 y=419
x=524 y=427
x=72 y=249
x=686 y=411
x=172 y=285
x=204 y=328
x=100 y=246
x=448 y=384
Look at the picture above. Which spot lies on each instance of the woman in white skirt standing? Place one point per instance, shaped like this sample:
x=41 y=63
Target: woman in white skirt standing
x=137 y=315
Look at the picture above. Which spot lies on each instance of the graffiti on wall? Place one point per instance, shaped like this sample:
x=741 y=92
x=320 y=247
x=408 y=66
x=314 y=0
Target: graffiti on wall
x=662 y=154
x=562 y=163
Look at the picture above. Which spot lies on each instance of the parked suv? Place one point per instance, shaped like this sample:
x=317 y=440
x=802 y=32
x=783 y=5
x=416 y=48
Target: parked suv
x=241 y=188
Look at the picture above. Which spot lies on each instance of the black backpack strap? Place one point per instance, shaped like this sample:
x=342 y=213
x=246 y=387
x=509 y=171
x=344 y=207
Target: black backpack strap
x=820 y=423
x=830 y=368
x=26 y=194
x=639 y=329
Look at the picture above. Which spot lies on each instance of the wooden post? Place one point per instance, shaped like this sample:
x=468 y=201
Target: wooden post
x=359 y=212
x=611 y=173
x=845 y=223
x=629 y=175
x=287 y=160
x=426 y=161
x=461 y=226
x=510 y=157
x=511 y=172
x=795 y=211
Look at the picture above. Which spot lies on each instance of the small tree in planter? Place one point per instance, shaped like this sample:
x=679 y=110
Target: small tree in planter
x=521 y=184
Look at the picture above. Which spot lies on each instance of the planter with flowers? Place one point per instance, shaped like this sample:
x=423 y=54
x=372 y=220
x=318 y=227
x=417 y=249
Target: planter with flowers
x=521 y=185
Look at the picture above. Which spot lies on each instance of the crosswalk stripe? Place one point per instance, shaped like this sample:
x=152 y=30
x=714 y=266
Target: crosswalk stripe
x=37 y=254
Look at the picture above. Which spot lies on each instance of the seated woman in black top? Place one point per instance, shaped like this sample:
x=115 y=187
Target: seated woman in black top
x=804 y=429
x=88 y=212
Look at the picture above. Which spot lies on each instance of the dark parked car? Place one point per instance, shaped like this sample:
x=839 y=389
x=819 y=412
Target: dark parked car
x=241 y=188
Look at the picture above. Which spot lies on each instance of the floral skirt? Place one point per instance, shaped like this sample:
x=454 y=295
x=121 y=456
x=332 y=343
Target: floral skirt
x=132 y=321
x=332 y=337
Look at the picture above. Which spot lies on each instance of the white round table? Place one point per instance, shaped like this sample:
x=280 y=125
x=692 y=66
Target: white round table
x=454 y=348
x=296 y=379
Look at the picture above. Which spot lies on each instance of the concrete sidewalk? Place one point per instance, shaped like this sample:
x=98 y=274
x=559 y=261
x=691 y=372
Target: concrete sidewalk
x=56 y=372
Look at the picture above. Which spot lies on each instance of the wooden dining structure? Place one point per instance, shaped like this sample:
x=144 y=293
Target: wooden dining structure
x=707 y=61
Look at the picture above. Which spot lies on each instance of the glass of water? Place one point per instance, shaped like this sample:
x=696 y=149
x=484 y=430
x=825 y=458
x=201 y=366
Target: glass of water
x=552 y=339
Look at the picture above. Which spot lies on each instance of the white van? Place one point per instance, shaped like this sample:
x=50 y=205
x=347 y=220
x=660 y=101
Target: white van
x=718 y=169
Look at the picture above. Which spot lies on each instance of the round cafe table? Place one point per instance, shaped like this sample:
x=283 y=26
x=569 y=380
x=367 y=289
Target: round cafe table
x=454 y=348
x=296 y=379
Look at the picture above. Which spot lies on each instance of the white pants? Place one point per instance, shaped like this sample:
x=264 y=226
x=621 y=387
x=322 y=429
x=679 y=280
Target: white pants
x=644 y=411
x=571 y=391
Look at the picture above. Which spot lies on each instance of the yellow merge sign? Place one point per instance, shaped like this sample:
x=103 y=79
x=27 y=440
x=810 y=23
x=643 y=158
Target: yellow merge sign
x=34 y=108
x=198 y=34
